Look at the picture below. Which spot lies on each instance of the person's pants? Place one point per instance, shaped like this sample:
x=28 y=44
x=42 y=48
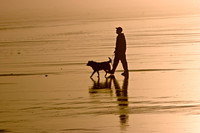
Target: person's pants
x=116 y=61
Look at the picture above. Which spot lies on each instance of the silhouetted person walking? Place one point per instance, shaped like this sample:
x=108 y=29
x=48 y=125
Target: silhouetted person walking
x=120 y=52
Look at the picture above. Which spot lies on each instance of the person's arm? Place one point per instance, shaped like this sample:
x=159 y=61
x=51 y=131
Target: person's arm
x=116 y=45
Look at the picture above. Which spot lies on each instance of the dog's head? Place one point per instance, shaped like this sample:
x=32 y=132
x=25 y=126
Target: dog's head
x=90 y=63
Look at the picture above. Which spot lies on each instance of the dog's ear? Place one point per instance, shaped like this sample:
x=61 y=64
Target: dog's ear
x=89 y=62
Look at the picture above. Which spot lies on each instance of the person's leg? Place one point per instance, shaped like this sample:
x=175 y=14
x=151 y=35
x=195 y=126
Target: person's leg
x=124 y=64
x=116 y=61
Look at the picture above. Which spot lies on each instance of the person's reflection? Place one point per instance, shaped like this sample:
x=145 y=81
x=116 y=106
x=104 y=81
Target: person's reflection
x=97 y=85
x=122 y=99
x=121 y=95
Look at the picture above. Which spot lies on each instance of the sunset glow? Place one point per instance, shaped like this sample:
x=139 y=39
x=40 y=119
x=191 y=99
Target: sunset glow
x=99 y=66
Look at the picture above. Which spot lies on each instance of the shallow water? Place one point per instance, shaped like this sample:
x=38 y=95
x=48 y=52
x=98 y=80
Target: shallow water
x=45 y=84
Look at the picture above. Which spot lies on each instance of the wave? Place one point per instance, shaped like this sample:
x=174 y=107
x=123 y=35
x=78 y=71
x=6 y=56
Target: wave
x=6 y=83
x=28 y=74
x=31 y=41
x=16 y=27
x=153 y=70
x=59 y=64
x=133 y=107
x=4 y=130
x=81 y=130
x=167 y=34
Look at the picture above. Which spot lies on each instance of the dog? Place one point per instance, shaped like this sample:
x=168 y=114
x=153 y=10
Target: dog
x=97 y=66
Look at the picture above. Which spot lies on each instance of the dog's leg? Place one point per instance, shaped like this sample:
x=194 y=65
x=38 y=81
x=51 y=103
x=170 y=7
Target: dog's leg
x=105 y=74
x=107 y=71
x=98 y=74
x=92 y=74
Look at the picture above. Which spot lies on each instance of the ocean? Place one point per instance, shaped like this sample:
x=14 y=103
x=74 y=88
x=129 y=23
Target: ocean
x=45 y=85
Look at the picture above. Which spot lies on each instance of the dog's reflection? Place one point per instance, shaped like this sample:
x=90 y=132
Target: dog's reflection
x=121 y=95
x=101 y=86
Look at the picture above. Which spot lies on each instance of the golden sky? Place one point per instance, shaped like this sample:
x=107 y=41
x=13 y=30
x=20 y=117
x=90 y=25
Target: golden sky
x=95 y=7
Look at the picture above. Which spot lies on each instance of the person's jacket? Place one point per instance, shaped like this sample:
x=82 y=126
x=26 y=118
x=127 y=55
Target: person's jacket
x=120 y=44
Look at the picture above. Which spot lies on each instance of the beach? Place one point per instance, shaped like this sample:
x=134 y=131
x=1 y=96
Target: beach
x=45 y=85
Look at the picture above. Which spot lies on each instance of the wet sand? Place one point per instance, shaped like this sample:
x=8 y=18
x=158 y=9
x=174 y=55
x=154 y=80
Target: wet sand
x=153 y=102
x=45 y=84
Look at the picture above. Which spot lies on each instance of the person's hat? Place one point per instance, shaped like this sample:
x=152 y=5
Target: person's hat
x=119 y=28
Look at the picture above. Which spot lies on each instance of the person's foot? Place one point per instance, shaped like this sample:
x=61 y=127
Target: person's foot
x=111 y=72
x=124 y=74
x=111 y=76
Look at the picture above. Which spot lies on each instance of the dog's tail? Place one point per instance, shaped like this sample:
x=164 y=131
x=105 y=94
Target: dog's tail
x=110 y=60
